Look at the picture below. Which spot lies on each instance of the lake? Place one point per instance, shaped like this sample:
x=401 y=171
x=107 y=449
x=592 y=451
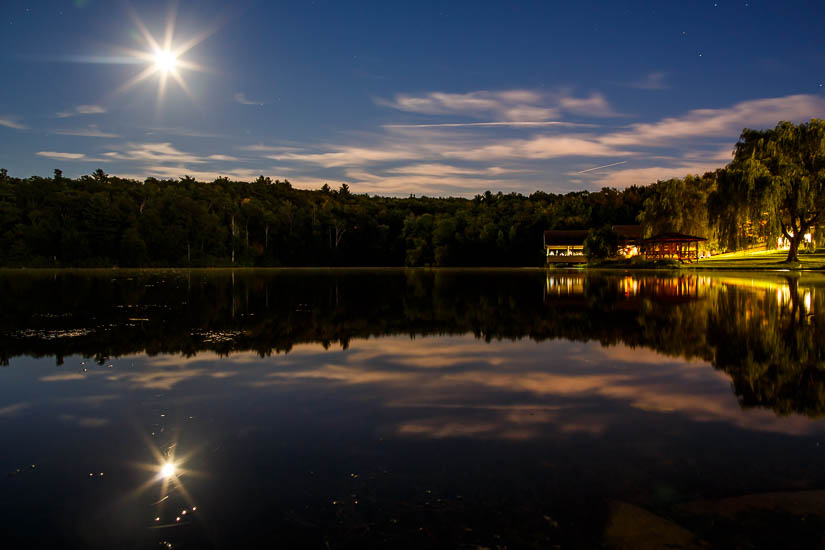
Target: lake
x=322 y=408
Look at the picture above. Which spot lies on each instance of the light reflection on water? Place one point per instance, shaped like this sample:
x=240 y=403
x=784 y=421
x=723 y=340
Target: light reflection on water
x=404 y=408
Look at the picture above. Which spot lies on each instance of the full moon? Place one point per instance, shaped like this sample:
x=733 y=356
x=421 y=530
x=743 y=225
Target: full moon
x=165 y=61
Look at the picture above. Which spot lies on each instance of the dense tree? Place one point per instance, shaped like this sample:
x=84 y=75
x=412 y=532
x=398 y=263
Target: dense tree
x=679 y=205
x=102 y=220
x=774 y=186
x=601 y=243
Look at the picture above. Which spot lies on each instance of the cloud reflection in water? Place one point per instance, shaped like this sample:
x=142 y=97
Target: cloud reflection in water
x=458 y=386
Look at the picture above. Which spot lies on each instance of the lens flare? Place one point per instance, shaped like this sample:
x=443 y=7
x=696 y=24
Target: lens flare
x=164 y=57
x=168 y=470
x=165 y=61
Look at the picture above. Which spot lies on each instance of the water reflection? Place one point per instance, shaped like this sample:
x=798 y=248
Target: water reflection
x=343 y=409
x=764 y=332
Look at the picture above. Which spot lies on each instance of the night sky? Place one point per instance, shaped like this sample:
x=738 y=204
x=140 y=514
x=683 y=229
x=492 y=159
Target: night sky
x=393 y=98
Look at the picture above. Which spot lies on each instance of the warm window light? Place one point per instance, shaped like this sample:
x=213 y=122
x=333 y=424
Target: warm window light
x=165 y=61
x=168 y=470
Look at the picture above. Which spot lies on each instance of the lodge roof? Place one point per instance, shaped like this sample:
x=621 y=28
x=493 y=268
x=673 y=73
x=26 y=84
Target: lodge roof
x=565 y=236
x=673 y=237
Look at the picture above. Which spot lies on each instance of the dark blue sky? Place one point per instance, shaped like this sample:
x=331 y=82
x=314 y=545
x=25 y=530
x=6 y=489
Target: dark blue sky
x=439 y=98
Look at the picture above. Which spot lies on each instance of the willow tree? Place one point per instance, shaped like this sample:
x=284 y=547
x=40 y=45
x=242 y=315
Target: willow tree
x=777 y=180
x=678 y=205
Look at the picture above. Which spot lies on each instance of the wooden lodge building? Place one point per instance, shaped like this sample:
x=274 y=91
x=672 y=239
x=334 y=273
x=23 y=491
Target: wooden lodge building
x=676 y=246
x=567 y=245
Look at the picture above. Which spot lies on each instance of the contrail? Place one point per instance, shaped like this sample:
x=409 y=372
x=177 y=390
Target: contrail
x=506 y=123
x=600 y=167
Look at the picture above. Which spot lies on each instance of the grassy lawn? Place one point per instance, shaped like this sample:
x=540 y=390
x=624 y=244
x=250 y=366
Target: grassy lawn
x=761 y=260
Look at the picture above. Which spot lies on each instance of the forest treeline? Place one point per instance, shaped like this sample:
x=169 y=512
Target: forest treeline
x=773 y=188
x=101 y=220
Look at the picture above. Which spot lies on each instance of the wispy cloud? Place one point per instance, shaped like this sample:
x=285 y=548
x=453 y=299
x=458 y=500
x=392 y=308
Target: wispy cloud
x=241 y=98
x=540 y=147
x=91 y=131
x=719 y=123
x=594 y=106
x=162 y=153
x=651 y=174
x=515 y=140
x=448 y=182
x=476 y=104
x=82 y=110
x=165 y=160
x=263 y=148
x=416 y=143
x=61 y=156
x=184 y=132
x=10 y=122
x=506 y=106
x=511 y=124
x=350 y=156
x=703 y=129
x=433 y=169
x=461 y=157
x=434 y=179
x=652 y=81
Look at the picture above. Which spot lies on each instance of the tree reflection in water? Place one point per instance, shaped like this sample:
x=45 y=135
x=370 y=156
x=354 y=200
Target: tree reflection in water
x=403 y=442
x=767 y=332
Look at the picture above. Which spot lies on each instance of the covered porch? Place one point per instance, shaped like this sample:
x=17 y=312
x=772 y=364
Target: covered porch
x=565 y=246
x=672 y=246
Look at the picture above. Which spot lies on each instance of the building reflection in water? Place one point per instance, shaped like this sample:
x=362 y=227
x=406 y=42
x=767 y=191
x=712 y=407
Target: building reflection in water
x=668 y=287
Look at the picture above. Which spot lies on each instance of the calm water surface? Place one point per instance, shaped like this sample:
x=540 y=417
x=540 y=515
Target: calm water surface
x=411 y=408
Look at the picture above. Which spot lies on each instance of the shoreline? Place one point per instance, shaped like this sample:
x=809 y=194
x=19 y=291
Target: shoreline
x=779 y=268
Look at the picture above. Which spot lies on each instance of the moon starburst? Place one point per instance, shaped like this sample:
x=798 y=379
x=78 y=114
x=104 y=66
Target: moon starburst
x=165 y=61
x=163 y=58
